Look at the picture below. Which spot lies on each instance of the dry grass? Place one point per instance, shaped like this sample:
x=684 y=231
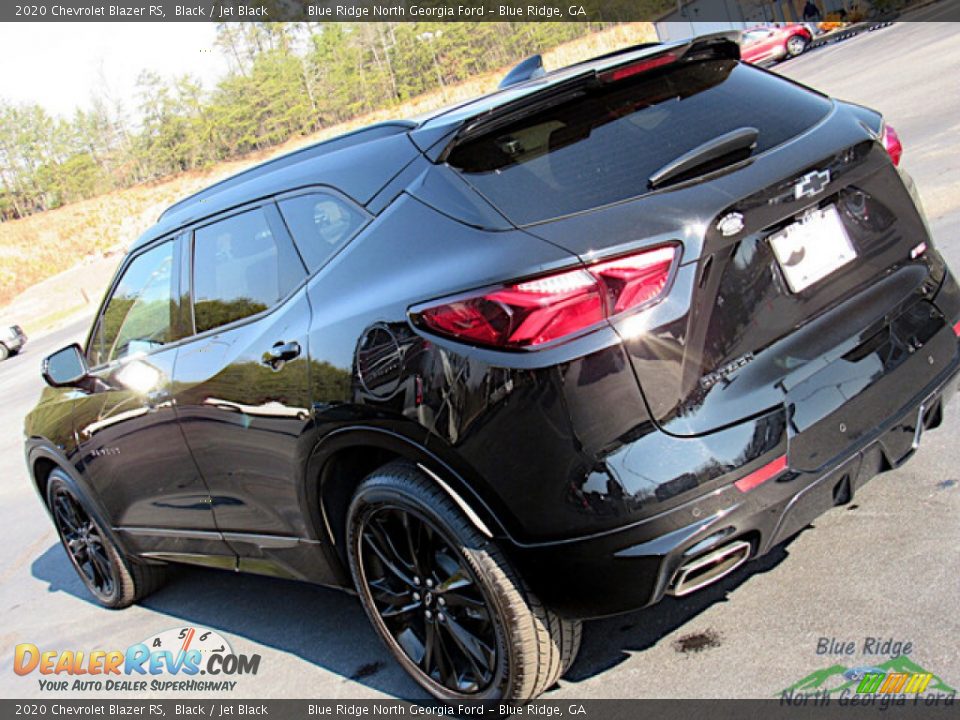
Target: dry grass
x=39 y=247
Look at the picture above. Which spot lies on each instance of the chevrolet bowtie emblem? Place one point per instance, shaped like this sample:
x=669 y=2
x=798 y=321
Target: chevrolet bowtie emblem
x=811 y=184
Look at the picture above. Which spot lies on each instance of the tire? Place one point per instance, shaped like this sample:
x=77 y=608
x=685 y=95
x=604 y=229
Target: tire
x=115 y=579
x=795 y=45
x=4 y=352
x=520 y=647
x=570 y=645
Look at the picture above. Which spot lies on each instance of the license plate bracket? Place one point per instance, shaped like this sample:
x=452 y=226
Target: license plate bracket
x=813 y=247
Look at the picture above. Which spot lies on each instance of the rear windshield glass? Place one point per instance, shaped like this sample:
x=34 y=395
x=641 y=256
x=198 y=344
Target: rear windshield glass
x=603 y=147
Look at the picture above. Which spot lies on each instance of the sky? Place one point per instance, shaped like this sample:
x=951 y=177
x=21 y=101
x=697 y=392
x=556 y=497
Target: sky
x=60 y=65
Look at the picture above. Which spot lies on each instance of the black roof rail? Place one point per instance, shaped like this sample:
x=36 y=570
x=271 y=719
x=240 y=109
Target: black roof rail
x=340 y=142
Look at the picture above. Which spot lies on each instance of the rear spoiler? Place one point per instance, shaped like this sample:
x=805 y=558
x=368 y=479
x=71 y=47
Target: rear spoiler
x=532 y=68
x=604 y=68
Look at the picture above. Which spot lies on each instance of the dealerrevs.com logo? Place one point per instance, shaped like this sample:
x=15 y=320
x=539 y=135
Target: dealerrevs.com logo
x=172 y=660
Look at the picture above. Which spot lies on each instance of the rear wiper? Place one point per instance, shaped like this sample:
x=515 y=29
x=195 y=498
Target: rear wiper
x=742 y=140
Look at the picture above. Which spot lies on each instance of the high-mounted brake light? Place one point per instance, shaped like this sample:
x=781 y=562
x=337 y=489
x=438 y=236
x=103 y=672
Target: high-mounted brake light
x=891 y=142
x=544 y=309
x=622 y=73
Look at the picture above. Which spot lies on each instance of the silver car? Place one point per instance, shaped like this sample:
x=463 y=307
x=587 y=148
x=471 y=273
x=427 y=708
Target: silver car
x=12 y=339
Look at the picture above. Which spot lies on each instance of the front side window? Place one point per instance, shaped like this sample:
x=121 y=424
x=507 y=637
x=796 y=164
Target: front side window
x=321 y=224
x=139 y=317
x=239 y=270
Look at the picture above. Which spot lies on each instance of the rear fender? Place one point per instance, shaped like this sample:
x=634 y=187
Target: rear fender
x=318 y=495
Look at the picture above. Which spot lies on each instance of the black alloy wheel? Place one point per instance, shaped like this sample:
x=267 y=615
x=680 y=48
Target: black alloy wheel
x=428 y=599
x=114 y=578
x=85 y=544
x=444 y=598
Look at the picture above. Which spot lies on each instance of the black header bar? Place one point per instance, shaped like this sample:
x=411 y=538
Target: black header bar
x=812 y=705
x=738 y=11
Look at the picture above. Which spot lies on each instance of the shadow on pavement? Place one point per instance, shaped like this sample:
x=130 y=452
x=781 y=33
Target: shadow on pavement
x=609 y=642
x=324 y=627
x=328 y=628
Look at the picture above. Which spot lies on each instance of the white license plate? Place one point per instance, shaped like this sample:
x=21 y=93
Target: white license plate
x=812 y=248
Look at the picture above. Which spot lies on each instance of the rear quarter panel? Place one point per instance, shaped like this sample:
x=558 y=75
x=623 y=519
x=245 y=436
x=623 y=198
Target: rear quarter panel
x=500 y=420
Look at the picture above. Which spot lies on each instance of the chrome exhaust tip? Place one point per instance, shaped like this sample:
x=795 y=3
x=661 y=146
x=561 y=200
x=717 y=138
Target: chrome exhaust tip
x=709 y=568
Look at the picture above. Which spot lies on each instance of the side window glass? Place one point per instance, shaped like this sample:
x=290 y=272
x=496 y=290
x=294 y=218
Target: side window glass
x=239 y=269
x=139 y=315
x=320 y=224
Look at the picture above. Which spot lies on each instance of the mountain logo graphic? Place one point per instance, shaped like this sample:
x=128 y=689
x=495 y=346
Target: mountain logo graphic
x=897 y=675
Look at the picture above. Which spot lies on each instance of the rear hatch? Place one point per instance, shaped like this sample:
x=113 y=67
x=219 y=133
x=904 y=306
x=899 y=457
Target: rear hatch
x=800 y=240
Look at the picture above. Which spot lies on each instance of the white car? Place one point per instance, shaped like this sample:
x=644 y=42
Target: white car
x=12 y=339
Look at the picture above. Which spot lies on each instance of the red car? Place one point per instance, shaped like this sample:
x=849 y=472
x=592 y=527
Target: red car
x=769 y=43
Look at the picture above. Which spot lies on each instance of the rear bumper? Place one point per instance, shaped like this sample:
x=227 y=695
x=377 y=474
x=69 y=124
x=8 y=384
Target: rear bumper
x=632 y=567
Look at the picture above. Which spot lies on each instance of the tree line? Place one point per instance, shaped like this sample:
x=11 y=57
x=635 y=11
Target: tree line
x=284 y=79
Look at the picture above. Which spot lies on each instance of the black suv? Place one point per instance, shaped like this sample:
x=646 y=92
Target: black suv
x=597 y=337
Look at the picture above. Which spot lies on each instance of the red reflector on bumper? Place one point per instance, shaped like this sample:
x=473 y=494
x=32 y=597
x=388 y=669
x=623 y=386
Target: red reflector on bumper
x=956 y=329
x=758 y=477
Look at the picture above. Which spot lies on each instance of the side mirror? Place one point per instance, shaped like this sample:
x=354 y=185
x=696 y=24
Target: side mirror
x=67 y=367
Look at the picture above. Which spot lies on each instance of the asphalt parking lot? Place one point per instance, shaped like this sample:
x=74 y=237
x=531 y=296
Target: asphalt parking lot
x=887 y=566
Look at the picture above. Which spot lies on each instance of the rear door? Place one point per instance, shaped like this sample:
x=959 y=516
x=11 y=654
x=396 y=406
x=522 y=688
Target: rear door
x=241 y=384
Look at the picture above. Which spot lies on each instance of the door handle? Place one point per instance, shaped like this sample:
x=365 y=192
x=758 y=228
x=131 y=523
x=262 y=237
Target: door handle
x=280 y=353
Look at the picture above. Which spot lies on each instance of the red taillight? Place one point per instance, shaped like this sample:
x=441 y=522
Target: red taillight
x=622 y=73
x=956 y=329
x=635 y=279
x=528 y=313
x=892 y=144
x=758 y=477
x=538 y=311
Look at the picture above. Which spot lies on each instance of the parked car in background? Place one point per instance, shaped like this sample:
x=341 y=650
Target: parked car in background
x=552 y=354
x=771 y=43
x=12 y=338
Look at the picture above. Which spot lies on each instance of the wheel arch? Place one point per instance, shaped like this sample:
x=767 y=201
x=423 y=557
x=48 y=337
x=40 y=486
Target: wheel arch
x=40 y=472
x=42 y=459
x=342 y=459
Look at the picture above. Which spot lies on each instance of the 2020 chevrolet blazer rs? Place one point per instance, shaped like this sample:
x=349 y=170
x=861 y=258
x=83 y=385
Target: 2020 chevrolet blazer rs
x=599 y=336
